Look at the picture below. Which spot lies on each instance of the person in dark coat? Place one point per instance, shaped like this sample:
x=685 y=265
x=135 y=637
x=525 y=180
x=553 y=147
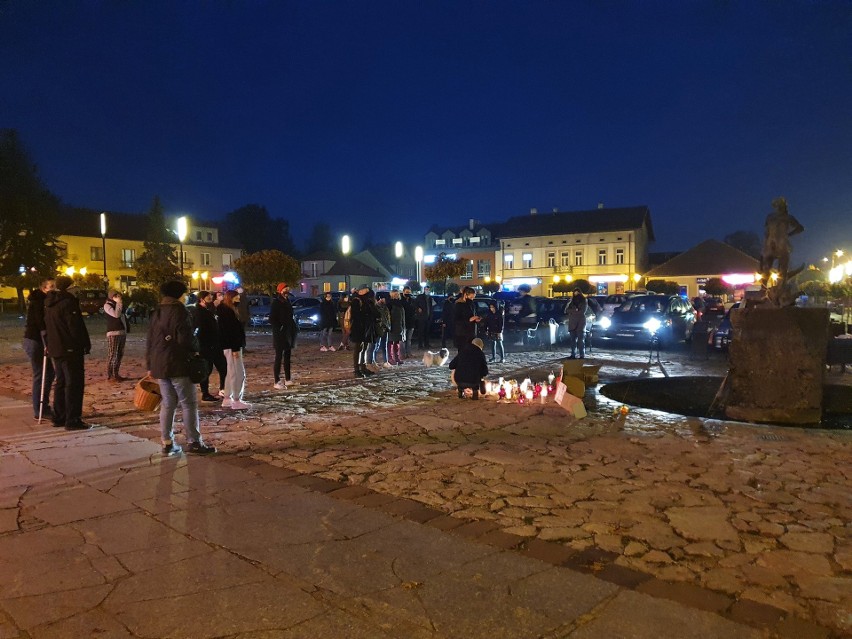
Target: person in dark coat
x=396 y=335
x=328 y=318
x=67 y=344
x=207 y=331
x=34 y=339
x=363 y=317
x=494 y=324
x=465 y=318
x=233 y=340
x=170 y=344
x=410 y=320
x=448 y=318
x=423 y=309
x=284 y=330
x=469 y=367
x=576 y=312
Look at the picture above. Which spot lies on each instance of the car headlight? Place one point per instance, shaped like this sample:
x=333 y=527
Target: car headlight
x=653 y=325
x=604 y=323
x=315 y=318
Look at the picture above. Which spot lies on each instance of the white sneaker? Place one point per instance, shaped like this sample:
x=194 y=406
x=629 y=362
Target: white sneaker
x=331 y=348
x=323 y=349
x=387 y=365
x=226 y=403
x=238 y=405
x=279 y=386
x=221 y=392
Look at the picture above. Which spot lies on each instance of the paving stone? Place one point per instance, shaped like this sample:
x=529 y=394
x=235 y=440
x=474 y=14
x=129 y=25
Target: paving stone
x=686 y=594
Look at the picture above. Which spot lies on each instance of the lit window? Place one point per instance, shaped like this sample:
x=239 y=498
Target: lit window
x=602 y=257
x=440 y=242
x=96 y=254
x=578 y=258
x=528 y=260
x=128 y=257
x=483 y=268
x=509 y=259
x=565 y=258
x=551 y=258
x=619 y=256
x=226 y=259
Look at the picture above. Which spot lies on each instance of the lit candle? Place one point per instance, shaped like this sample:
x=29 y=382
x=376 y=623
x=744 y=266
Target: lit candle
x=543 y=395
x=487 y=388
x=529 y=394
x=550 y=379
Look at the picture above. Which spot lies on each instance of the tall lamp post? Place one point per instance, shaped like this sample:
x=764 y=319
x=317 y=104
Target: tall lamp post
x=345 y=247
x=103 y=249
x=181 y=233
x=418 y=257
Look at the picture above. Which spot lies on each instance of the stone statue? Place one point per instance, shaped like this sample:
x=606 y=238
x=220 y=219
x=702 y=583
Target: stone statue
x=779 y=227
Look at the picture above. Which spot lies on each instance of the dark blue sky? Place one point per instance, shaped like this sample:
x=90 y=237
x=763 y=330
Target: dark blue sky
x=385 y=117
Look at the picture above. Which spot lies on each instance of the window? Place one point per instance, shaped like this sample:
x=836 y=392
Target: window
x=209 y=236
x=619 y=256
x=509 y=260
x=326 y=287
x=205 y=259
x=474 y=240
x=551 y=258
x=457 y=241
x=128 y=257
x=468 y=270
x=578 y=258
x=483 y=269
x=96 y=254
x=602 y=257
x=341 y=286
x=441 y=242
x=565 y=258
x=313 y=269
x=125 y=282
x=198 y=235
x=185 y=258
x=226 y=260
x=527 y=260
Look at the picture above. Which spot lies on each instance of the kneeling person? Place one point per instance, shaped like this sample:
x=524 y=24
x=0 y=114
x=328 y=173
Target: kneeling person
x=470 y=367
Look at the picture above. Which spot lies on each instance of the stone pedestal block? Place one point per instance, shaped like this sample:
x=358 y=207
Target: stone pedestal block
x=777 y=359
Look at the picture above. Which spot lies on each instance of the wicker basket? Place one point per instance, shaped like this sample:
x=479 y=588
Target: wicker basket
x=147 y=395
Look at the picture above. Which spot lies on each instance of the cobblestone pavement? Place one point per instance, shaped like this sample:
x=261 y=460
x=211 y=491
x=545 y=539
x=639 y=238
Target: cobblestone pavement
x=734 y=512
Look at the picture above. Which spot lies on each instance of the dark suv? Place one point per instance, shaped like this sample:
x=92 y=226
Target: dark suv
x=668 y=317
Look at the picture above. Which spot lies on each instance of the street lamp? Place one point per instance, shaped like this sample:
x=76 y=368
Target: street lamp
x=418 y=257
x=103 y=249
x=181 y=233
x=345 y=247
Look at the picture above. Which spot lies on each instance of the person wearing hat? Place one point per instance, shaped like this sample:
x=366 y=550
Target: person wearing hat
x=67 y=344
x=117 y=329
x=284 y=330
x=171 y=342
x=470 y=367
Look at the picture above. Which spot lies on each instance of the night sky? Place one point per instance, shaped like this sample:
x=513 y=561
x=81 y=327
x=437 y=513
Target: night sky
x=383 y=118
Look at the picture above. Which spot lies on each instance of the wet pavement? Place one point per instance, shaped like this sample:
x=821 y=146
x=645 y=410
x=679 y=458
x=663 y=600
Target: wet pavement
x=746 y=525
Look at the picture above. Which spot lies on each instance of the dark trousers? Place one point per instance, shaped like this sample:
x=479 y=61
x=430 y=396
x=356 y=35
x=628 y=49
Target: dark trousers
x=282 y=355
x=68 y=393
x=35 y=351
x=423 y=333
x=215 y=359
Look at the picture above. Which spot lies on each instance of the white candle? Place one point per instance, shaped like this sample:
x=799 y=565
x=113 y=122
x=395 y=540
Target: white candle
x=550 y=379
x=487 y=388
x=529 y=394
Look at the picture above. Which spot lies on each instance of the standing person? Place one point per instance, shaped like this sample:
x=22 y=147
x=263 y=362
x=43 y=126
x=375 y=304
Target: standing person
x=67 y=343
x=397 y=329
x=363 y=319
x=342 y=306
x=34 y=340
x=465 y=318
x=220 y=362
x=284 y=331
x=242 y=308
x=328 y=316
x=207 y=331
x=117 y=329
x=170 y=344
x=423 y=306
x=494 y=324
x=448 y=319
x=576 y=312
x=382 y=330
x=410 y=320
x=233 y=339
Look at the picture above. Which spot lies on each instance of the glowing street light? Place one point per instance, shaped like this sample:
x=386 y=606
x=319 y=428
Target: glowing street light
x=181 y=233
x=103 y=250
x=397 y=250
x=418 y=257
x=345 y=248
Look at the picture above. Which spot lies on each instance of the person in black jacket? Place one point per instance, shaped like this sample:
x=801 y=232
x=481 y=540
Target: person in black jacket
x=465 y=318
x=423 y=310
x=494 y=323
x=233 y=340
x=410 y=320
x=363 y=317
x=67 y=344
x=284 y=330
x=328 y=318
x=207 y=331
x=448 y=318
x=470 y=367
x=34 y=340
x=170 y=344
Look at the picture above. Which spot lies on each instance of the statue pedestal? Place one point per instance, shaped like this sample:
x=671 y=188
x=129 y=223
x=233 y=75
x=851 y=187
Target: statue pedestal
x=777 y=360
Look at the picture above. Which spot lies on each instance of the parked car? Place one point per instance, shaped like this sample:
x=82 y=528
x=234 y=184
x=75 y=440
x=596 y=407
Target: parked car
x=722 y=335
x=481 y=301
x=259 y=307
x=304 y=302
x=668 y=317
x=92 y=301
x=612 y=302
